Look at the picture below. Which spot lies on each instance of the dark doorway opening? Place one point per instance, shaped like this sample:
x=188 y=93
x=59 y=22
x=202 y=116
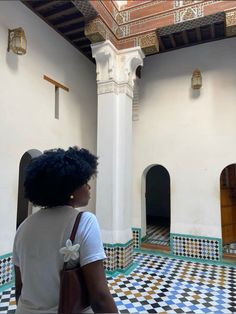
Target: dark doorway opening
x=228 y=209
x=24 y=207
x=158 y=206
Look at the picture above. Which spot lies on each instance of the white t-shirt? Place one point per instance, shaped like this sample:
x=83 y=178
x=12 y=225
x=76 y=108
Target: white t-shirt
x=36 y=252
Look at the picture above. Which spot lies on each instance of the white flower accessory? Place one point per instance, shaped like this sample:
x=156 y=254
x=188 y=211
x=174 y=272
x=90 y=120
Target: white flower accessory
x=70 y=251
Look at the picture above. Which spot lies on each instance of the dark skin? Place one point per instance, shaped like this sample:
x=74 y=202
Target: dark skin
x=18 y=282
x=94 y=274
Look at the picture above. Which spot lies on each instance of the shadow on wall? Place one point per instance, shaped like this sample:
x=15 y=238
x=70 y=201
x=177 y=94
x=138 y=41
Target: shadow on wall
x=194 y=93
x=12 y=61
x=23 y=204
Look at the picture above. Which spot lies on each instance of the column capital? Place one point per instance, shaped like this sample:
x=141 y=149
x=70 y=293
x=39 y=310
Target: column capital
x=116 y=69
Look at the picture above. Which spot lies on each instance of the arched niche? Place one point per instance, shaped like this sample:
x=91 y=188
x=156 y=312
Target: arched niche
x=228 y=208
x=156 y=202
x=24 y=207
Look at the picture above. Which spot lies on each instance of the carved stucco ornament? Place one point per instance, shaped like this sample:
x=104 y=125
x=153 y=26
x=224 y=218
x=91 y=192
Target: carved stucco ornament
x=189 y=13
x=149 y=43
x=95 y=31
x=230 y=24
x=116 y=69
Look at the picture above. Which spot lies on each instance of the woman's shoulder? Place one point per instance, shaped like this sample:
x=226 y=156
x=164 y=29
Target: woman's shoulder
x=88 y=216
x=88 y=222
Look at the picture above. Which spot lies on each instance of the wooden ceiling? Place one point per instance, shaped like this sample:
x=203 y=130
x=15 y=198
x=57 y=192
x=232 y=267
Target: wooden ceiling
x=194 y=32
x=68 y=18
x=65 y=18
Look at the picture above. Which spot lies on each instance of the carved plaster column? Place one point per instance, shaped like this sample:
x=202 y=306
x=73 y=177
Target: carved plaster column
x=115 y=81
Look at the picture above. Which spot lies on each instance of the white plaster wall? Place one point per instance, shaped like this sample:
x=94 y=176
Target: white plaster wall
x=27 y=103
x=192 y=135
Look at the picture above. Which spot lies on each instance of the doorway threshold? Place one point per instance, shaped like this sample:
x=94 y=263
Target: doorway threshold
x=156 y=247
x=227 y=257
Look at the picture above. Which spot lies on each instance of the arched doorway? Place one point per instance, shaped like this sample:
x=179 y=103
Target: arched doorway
x=24 y=207
x=228 y=208
x=157 y=199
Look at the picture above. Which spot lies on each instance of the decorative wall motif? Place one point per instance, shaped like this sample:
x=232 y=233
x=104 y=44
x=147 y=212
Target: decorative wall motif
x=196 y=247
x=116 y=69
x=95 y=31
x=113 y=87
x=6 y=269
x=203 y=21
x=110 y=263
x=230 y=18
x=136 y=237
x=119 y=256
x=121 y=17
x=188 y=13
x=149 y=43
x=136 y=24
x=181 y=3
x=85 y=8
x=121 y=31
x=135 y=113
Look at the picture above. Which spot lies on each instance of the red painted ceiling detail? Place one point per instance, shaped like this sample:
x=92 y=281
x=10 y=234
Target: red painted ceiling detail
x=140 y=17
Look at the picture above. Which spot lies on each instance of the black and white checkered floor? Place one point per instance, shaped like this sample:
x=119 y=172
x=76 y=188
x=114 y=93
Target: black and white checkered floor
x=161 y=284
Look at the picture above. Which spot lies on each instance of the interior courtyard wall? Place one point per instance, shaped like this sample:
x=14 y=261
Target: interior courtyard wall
x=27 y=103
x=190 y=133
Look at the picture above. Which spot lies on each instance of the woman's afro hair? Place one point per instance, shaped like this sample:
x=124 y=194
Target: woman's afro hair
x=53 y=176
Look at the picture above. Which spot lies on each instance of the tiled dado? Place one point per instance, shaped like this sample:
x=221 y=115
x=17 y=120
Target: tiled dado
x=136 y=237
x=194 y=247
x=119 y=256
x=6 y=270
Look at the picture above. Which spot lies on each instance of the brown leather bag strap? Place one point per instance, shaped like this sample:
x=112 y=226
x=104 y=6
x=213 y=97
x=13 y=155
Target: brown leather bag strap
x=73 y=233
x=76 y=225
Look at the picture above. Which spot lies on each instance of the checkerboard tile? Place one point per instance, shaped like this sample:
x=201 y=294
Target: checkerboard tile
x=162 y=284
x=206 y=249
x=110 y=262
x=118 y=257
x=136 y=237
x=7 y=301
x=6 y=270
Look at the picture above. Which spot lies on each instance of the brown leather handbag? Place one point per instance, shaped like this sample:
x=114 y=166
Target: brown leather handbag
x=74 y=296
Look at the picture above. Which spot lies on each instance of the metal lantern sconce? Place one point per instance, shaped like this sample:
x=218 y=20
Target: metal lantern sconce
x=196 y=79
x=17 y=41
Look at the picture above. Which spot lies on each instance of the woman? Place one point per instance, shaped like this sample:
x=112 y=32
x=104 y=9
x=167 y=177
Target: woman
x=57 y=181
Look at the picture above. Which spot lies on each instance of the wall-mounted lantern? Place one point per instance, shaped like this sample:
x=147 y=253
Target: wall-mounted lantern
x=196 y=79
x=17 y=41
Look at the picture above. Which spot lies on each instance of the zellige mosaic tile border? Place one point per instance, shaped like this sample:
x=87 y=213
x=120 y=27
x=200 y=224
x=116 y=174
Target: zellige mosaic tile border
x=119 y=256
x=136 y=237
x=196 y=247
x=6 y=271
